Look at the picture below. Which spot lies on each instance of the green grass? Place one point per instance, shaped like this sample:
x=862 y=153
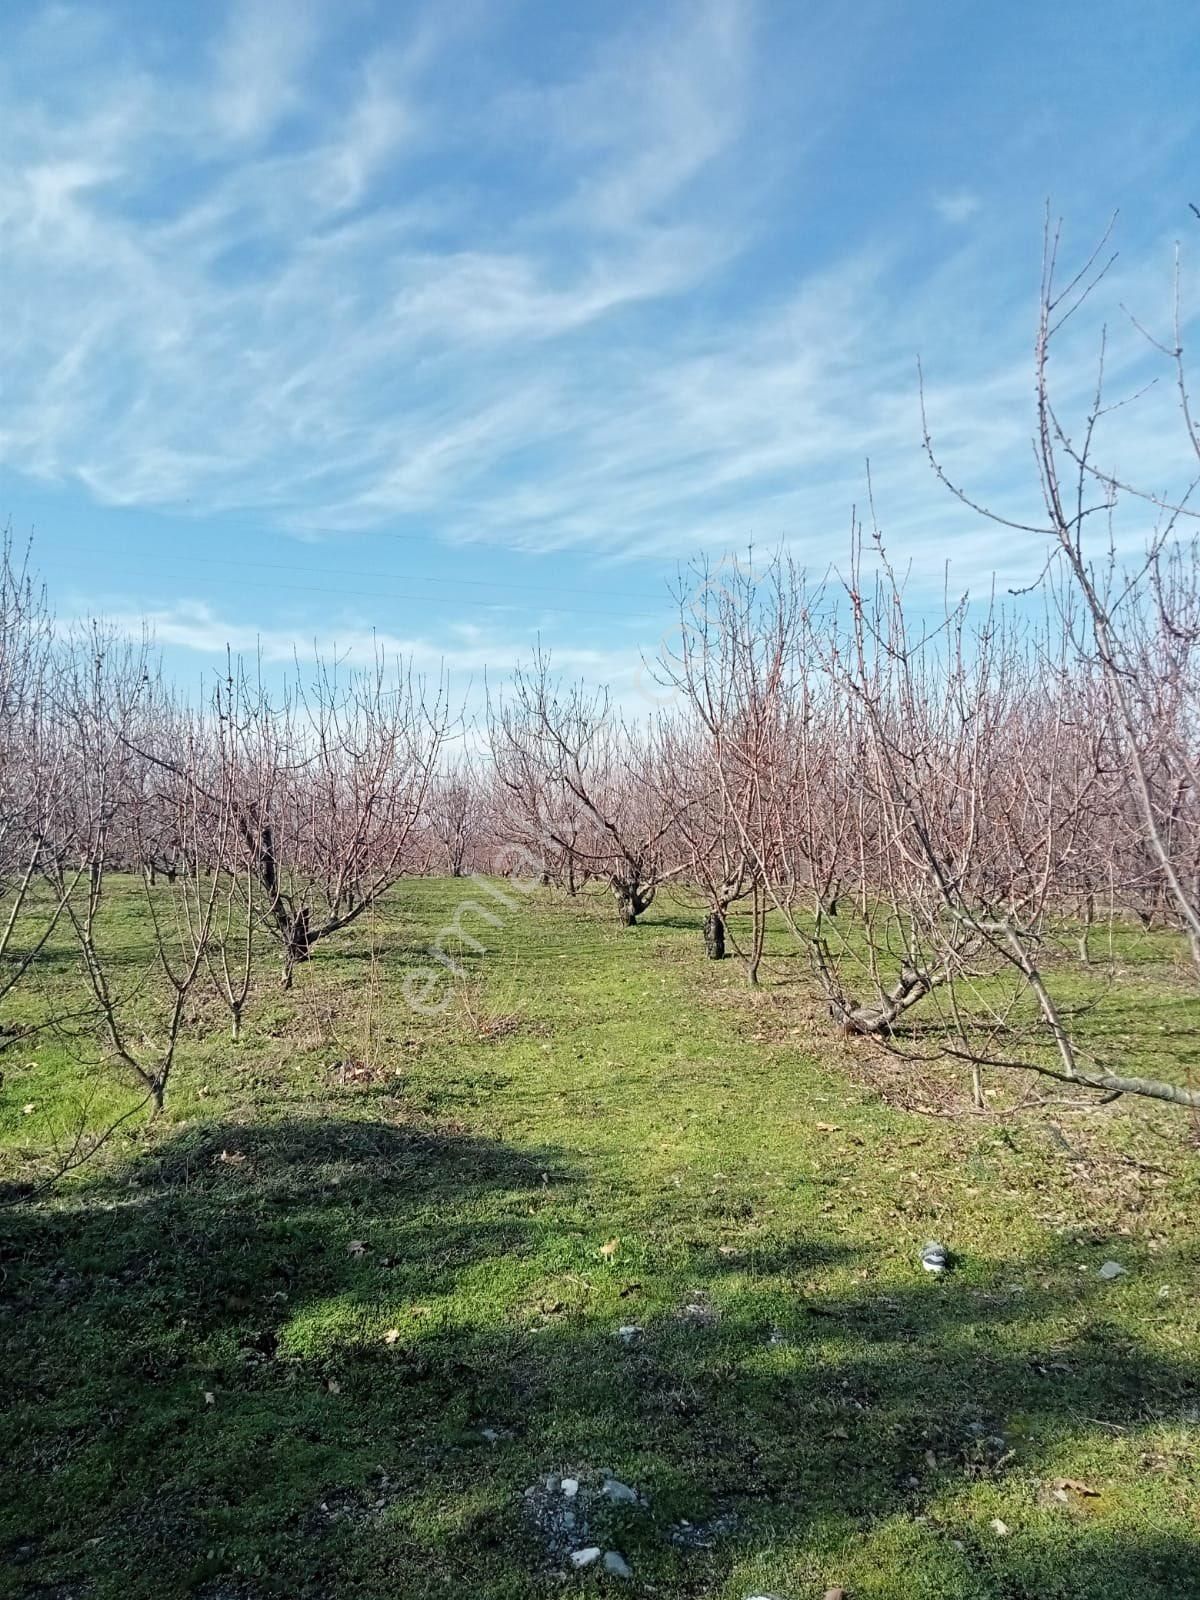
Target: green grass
x=258 y=1347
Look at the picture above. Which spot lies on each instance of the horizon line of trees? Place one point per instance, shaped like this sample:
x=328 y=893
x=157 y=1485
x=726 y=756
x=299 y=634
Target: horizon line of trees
x=930 y=806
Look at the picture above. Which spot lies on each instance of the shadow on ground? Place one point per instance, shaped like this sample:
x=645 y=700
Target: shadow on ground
x=318 y=1358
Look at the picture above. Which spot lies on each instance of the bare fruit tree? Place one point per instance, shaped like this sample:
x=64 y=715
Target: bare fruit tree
x=108 y=700
x=328 y=780
x=455 y=810
x=716 y=865
x=1132 y=623
x=579 y=778
x=35 y=881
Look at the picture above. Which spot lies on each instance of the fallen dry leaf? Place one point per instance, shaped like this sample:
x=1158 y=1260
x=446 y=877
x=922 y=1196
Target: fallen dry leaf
x=609 y=1250
x=231 y=1157
x=1075 y=1485
x=1001 y=1529
x=836 y=1594
x=29 y=1109
x=730 y=1252
x=357 y=1247
x=828 y=1127
x=391 y=1336
x=333 y=1386
x=210 y=1398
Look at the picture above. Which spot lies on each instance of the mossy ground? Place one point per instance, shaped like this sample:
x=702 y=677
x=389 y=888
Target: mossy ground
x=316 y=1329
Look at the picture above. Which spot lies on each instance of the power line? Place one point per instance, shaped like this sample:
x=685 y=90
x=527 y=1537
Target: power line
x=374 y=594
x=237 y=564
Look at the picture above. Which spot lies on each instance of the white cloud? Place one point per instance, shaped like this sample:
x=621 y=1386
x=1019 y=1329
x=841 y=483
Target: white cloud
x=332 y=316
x=258 y=68
x=378 y=122
x=659 y=108
x=248 y=338
x=477 y=659
x=958 y=207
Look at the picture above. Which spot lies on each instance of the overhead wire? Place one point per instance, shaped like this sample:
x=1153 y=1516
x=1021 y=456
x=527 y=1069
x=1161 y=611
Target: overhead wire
x=552 y=590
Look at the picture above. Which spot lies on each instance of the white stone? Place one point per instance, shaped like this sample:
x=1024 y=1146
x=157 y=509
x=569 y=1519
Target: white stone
x=619 y=1493
x=570 y=1487
x=1111 y=1270
x=935 y=1257
x=585 y=1558
x=616 y=1563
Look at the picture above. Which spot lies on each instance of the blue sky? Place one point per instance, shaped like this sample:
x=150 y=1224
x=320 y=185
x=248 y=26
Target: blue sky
x=467 y=323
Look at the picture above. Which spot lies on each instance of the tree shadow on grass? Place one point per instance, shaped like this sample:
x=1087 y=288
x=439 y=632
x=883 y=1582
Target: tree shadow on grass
x=328 y=1358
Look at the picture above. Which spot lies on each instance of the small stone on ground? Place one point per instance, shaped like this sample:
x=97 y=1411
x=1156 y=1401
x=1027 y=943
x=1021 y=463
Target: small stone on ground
x=619 y=1493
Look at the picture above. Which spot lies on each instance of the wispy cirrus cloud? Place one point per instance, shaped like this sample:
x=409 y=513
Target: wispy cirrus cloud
x=294 y=326
x=607 y=300
x=651 y=113
x=259 y=60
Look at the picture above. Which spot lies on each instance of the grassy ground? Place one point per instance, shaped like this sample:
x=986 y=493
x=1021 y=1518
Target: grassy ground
x=322 y=1328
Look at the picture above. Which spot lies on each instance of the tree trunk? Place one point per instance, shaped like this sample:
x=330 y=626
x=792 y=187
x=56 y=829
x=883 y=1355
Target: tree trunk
x=879 y=1018
x=758 y=936
x=299 y=938
x=297 y=945
x=714 y=936
x=631 y=901
x=1089 y=916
